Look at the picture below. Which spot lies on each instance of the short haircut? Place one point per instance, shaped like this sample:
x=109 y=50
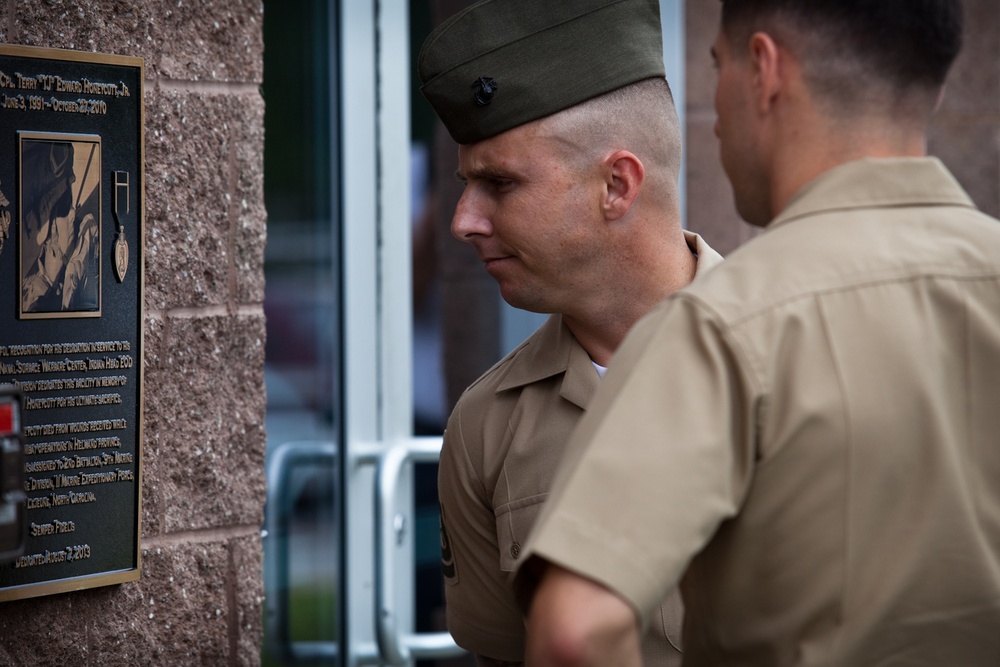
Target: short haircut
x=639 y=117
x=905 y=45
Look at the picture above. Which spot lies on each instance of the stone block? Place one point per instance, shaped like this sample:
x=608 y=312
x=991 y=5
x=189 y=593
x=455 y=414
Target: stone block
x=248 y=199
x=213 y=40
x=251 y=238
x=208 y=465
x=176 y=614
x=104 y=26
x=193 y=40
x=187 y=199
x=45 y=631
x=154 y=423
x=248 y=572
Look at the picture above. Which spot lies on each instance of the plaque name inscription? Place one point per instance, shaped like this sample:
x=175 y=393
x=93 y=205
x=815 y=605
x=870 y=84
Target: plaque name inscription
x=54 y=83
x=71 y=339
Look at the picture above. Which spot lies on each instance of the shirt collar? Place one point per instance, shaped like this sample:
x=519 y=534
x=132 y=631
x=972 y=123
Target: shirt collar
x=876 y=183
x=705 y=256
x=553 y=349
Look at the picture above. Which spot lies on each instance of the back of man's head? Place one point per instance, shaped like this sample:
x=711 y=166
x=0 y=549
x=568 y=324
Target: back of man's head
x=858 y=51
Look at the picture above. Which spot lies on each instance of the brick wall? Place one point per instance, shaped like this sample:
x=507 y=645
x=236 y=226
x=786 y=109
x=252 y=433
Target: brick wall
x=965 y=134
x=198 y=600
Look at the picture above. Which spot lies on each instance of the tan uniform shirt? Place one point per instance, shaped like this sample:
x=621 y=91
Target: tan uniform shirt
x=501 y=449
x=812 y=432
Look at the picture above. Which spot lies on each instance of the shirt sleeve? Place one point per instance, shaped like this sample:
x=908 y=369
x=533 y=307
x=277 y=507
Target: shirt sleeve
x=481 y=611
x=662 y=457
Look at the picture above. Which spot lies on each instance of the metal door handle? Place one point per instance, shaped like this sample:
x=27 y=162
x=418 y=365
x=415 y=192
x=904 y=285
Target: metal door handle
x=276 y=617
x=395 y=646
x=398 y=647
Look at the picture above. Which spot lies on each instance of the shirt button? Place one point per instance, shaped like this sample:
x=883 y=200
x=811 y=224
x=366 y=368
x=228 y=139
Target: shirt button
x=515 y=550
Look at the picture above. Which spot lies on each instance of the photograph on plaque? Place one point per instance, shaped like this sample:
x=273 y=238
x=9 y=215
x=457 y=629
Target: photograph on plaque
x=60 y=221
x=71 y=311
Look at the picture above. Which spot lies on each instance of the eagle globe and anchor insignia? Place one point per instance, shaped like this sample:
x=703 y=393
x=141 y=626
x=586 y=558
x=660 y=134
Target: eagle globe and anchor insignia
x=485 y=87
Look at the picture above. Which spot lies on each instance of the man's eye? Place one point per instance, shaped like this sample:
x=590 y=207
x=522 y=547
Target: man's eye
x=501 y=184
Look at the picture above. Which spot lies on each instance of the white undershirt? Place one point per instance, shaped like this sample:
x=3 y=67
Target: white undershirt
x=601 y=370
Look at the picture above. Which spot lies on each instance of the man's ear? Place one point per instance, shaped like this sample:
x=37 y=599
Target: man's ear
x=769 y=69
x=623 y=180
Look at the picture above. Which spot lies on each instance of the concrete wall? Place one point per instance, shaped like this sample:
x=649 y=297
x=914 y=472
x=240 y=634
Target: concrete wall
x=965 y=133
x=198 y=601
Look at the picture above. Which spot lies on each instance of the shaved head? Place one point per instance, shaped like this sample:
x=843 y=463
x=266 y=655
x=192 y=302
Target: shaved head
x=640 y=118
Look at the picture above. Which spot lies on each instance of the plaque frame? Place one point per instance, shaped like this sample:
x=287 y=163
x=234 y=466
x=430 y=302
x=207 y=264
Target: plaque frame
x=127 y=214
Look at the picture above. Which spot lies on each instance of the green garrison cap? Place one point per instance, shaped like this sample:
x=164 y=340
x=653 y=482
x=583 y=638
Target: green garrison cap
x=502 y=63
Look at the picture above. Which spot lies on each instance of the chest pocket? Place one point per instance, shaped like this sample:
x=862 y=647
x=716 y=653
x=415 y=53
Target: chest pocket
x=514 y=522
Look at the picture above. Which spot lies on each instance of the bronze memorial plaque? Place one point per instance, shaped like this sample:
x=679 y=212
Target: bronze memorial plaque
x=71 y=311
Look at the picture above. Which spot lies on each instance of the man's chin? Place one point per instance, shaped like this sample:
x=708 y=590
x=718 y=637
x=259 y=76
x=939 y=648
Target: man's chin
x=522 y=301
x=756 y=215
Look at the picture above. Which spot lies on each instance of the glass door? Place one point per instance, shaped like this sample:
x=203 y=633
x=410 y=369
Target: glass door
x=303 y=361
x=340 y=523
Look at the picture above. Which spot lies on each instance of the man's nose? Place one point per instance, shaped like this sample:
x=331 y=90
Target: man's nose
x=470 y=219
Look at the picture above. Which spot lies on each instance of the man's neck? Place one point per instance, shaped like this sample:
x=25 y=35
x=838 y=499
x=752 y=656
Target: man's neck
x=820 y=147
x=600 y=327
